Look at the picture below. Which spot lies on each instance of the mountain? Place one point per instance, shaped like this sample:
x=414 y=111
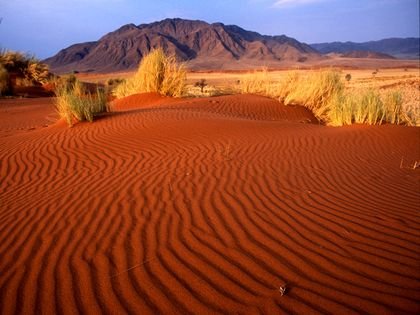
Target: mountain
x=402 y=48
x=366 y=54
x=200 y=44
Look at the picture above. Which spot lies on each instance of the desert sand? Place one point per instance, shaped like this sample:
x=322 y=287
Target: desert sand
x=231 y=204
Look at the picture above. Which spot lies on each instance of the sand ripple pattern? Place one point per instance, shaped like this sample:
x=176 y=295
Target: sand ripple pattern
x=209 y=207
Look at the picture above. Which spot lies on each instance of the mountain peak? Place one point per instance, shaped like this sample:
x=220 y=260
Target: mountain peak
x=200 y=44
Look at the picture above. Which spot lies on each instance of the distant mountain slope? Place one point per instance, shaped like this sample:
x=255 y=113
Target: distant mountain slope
x=202 y=44
x=403 y=48
x=366 y=54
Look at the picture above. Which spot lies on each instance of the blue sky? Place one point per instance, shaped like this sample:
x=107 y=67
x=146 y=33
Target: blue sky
x=43 y=27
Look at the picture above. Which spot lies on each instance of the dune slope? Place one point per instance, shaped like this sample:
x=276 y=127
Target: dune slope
x=207 y=206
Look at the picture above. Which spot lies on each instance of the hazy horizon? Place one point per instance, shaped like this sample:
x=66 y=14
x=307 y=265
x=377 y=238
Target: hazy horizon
x=43 y=27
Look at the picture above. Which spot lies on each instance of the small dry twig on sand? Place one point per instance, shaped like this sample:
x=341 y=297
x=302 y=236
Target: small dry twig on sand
x=282 y=290
x=133 y=267
x=415 y=165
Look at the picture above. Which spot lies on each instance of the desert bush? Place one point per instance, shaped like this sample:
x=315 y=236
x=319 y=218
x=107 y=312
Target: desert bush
x=28 y=69
x=37 y=72
x=348 y=77
x=14 y=61
x=157 y=73
x=4 y=81
x=74 y=103
x=201 y=84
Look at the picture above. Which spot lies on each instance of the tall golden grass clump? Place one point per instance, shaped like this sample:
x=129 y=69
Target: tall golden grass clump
x=73 y=103
x=341 y=110
x=157 y=73
x=371 y=107
x=313 y=91
x=366 y=107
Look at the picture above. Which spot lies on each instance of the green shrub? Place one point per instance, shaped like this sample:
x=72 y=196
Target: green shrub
x=75 y=104
x=157 y=73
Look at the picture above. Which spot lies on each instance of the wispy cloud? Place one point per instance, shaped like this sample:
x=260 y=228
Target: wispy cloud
x=293 y=3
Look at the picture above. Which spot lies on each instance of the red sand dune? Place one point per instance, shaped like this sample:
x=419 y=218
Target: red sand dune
x=206 y=206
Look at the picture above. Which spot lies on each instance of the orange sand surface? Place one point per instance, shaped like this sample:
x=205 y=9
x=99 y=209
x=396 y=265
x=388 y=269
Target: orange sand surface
x=205 y=206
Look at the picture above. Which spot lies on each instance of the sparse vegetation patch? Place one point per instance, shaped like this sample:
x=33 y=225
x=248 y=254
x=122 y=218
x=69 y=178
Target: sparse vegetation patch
x=324 y=93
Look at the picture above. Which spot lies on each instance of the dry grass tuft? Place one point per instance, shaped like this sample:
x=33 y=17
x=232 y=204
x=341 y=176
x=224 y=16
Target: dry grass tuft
x=74 y=104
x=157 y=73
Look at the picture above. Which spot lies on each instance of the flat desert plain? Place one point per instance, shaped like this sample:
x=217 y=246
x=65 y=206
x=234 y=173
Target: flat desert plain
x=232 y=204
